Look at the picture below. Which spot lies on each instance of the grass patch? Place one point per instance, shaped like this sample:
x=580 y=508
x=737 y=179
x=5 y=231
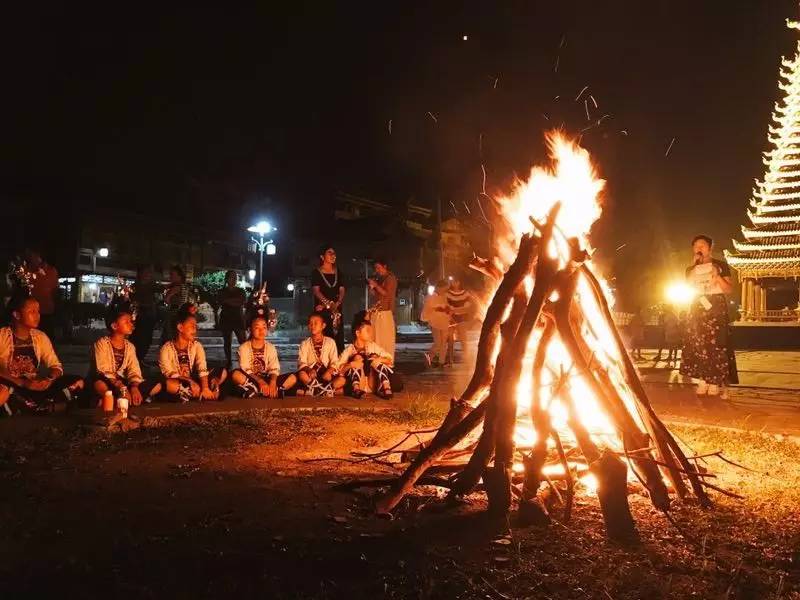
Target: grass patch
x=423 y=409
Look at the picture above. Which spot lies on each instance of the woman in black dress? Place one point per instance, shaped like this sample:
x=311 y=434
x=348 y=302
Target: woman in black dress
x=707 y=352
x=327 y=284
x=231 y=314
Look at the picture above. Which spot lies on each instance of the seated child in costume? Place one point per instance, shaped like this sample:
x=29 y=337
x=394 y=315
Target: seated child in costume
x=316 y=362
x=182 y=361
x=259 y=369
x=366 y=366
x=24 y=352
x=115 y=366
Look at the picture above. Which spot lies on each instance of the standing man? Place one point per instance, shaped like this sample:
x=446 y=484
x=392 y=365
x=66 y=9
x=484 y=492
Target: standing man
x=461 y=307
x=384 y=287
x=44 y=289
x=143 y=301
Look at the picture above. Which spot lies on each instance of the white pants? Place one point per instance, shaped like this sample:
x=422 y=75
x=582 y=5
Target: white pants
x=439 y=347
x=383 y=323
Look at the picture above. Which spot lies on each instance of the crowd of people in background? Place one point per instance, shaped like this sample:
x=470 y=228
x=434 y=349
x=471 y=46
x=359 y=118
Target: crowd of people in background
x=32 y=377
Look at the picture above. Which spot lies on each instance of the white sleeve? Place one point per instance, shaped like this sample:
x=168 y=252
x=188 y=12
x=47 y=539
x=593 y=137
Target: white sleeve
x=246 y=358
x=200 y=360
x=133 y=372
x=303 y=358
x=344 y=357
x=333 y=353
x=166 y=362
x=101 y=362
x=271 y=362
x=375 y=349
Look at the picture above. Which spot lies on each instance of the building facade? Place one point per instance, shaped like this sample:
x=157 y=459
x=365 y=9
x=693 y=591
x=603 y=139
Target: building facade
x=767 y=257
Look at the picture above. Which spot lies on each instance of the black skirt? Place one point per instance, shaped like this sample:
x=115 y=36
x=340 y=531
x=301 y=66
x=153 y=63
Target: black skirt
x=707 y=352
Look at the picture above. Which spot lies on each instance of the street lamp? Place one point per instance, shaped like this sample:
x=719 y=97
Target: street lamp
x=102 y=253
x=290 y=287
x=262 y=228
x=251 y=274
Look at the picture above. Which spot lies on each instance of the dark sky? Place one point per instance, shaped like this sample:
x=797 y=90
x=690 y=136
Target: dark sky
x=212 y=109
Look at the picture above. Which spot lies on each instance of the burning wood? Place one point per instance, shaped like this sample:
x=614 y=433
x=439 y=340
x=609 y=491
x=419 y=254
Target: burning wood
x=558 y=396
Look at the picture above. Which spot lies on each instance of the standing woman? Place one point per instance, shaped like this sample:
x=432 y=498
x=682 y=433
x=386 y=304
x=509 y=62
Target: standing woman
x=175 y=295
x=327 y=284
x=231 y=314
x=707 y=353
x=384 y=288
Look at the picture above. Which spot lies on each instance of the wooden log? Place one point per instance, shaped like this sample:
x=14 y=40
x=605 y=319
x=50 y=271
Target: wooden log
x=531 y=512
x=612 y=491
x=668 y=449
x=484 y=360
x=497 y=481
x=604 y=391
x=506 y=399
x=403 y=484
x=484 y=452
x=460 y=421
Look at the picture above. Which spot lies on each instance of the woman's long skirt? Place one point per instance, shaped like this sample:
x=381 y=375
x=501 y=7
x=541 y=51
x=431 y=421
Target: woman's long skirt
x=707 y=351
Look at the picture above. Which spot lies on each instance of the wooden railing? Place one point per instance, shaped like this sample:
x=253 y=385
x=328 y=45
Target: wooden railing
x=776 y=316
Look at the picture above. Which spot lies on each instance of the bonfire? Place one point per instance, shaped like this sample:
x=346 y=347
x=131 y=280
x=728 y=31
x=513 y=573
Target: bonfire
x=560 y=401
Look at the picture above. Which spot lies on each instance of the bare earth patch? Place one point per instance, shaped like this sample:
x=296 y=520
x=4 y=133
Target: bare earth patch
x=225 y=506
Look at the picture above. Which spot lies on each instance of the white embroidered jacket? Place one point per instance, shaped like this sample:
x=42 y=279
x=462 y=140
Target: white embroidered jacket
x=103 y=359
x=170 y=365
x=246 y=356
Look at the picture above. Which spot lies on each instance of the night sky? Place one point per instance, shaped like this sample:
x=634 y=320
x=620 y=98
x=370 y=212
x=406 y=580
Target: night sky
x=220 y=111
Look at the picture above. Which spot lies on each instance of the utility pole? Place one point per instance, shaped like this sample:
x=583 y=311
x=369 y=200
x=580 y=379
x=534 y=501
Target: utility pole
x=439 y=233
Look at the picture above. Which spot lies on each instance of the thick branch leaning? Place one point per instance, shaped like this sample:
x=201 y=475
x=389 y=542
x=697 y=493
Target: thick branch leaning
x=556 y=309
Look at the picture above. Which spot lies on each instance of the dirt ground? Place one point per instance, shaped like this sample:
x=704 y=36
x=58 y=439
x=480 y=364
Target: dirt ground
x=224 y=506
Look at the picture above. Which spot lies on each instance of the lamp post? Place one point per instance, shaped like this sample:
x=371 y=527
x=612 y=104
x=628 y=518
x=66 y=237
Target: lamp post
x=261 y=228
x=102 y=253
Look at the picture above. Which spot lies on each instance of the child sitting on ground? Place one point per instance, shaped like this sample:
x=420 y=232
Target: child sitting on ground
x=316 y=362
x=366 y=366
x=183 y=363
x=436 y=312
x=24 y=351
x=259 y=369
x=114 y=364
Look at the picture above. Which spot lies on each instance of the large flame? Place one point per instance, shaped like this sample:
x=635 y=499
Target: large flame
x=572 y=180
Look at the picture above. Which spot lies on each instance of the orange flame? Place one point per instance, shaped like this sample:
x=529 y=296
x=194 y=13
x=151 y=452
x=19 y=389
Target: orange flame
x=573 y=181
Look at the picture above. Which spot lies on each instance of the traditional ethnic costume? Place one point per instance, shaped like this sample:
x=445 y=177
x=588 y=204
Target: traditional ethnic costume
x=315 y=358
x=707 y=352
x=114 y=364
x=23 y=358
x=259 y=362
x=366 y=377
x=185 y=365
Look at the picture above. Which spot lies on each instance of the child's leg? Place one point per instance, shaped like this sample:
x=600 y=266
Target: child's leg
x=66 y=388
x=150 y=389
x=352 y=384
x=216 y=377
x=178 y=390
x=239 y=377
x=287 y=381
